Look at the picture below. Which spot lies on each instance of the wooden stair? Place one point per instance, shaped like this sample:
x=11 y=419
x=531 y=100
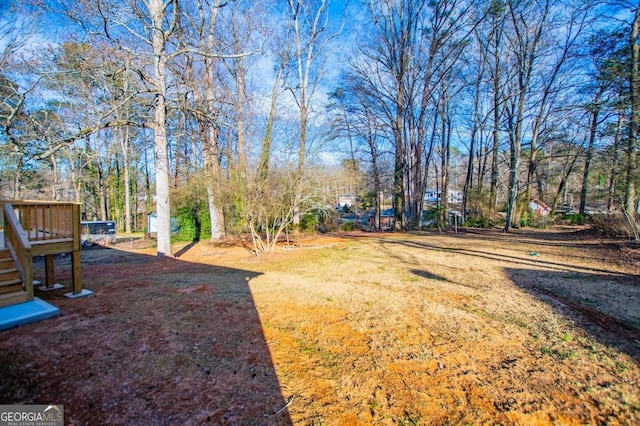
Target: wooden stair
x=11 y=288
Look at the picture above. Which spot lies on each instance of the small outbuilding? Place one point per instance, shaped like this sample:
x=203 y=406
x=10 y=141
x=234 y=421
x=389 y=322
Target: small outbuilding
x=539 y=208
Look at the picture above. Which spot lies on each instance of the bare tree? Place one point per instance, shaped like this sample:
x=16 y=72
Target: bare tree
x=634 y=119
x=310 y=33
x=271 y=205
x=208 y=120
x=152 y=28
x=474 y=135
x=385 y=76
x=527 y=26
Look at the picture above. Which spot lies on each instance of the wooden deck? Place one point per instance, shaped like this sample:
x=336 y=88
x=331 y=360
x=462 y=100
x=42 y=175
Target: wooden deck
x=38 y=228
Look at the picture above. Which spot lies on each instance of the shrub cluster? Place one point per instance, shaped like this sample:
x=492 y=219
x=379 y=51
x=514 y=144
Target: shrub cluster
x=612 y=225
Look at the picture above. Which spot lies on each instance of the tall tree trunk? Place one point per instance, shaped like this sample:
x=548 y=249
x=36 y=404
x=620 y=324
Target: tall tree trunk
x=398 y=127
x=468 y=181
x=102 y=190
x=239 y=71
x=134 y=194
x=398 y=171
x=497 y=82
x=483 y=159
x=173 y=154
x=76 y=180
x=634 y=120
x=127 y=180
x=54 y=177
x=373 y=152
x=116 y=193
x=515 y=142
x=240 y=83
x=210 y=147
x=593 y=126
x=163 y=208
x=16 y=193
x=532 y=161
x=614 y=165
x=446 y=161
x=377 y=187
x=526 y=52
x=212 y=172
x=265 y=152
x=493 y=191
x=568 y=169
x=147 y=183
x=415 y=180
x=429 y=154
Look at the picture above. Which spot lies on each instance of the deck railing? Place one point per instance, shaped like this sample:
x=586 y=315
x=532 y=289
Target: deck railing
x=17 y=242
x=48 y=220
x=35 y=228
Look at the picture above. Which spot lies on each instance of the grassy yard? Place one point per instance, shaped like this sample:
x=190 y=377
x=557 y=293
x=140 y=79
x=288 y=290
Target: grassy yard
x=422 y=328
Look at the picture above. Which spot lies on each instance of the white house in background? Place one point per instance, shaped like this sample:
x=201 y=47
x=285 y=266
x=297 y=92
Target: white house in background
x=348 y=200
x=434 y=196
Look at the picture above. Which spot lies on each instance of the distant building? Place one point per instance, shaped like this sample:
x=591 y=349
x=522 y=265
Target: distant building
x=387 y=220
x=346 y=200
x=434 y=196
x=538 y=207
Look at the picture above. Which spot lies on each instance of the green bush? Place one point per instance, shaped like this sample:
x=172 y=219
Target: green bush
x=431 y=214
x=190 y=225
x=369 y=199
x=576 y=218
x=478 y=222
x=309 y=222
x=527 y=218
x=205 y=224
x=347 y=226
x=189 y=207
x=329 y=223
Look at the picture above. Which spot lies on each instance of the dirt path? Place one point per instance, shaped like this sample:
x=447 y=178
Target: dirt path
x=426 y=328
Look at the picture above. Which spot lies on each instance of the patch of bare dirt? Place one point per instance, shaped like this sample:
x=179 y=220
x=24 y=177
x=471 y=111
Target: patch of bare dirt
x=472 y=327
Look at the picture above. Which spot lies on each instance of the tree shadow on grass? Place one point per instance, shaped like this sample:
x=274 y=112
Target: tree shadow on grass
x=162 y=341
x=571 y=238
x=583 y=294
x=185 y=249
x=604 y=305
x=527 y=259
x=428 y=275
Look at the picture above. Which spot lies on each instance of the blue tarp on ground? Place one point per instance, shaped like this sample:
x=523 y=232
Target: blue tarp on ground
x=25 y=313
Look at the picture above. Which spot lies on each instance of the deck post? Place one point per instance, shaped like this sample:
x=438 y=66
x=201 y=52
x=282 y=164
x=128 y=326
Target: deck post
x=75 y=256
x=76 y=272
x=28 y=276
x=50 y=275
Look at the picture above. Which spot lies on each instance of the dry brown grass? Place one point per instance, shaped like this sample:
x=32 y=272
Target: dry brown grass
x=468 y=328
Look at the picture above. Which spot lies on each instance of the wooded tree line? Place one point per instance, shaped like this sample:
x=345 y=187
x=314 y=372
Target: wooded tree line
x=535 y=94
x=230 y=113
